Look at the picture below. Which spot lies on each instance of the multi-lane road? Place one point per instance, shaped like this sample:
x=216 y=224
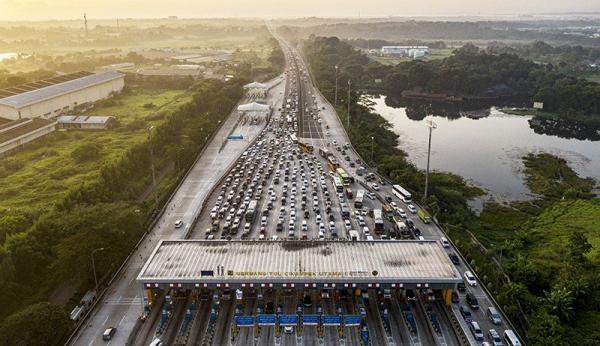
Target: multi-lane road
x=296 y=198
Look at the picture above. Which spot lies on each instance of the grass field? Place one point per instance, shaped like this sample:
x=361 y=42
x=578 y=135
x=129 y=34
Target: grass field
x=41 y=173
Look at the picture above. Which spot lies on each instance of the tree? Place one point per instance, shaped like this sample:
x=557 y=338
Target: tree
x=560 y=302
x=86 y=152
x=578 y=246
x=38 y=324
x=545 y=330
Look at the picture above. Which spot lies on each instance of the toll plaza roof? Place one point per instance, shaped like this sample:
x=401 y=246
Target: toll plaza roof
x=258 y=262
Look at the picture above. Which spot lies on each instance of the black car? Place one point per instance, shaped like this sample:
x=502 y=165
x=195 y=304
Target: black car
x=472 y=300
x=416 y=231
x=454 y=258
x=388 y=199
x=461 y=287
x=307 y=301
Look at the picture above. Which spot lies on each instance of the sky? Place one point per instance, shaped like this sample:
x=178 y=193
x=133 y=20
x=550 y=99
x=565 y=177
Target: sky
x=71 y=9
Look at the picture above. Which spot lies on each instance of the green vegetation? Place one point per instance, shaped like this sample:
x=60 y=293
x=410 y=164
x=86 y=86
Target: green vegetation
x=48 y=230
x=540 y=258
x=40 y=175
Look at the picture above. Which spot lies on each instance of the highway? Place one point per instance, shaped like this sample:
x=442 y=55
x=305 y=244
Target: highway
x=122 y=305
x=296 y=197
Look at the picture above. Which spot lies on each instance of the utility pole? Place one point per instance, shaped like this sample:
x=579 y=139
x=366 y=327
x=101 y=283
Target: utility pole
x=372 y=145
x=431 y=125
x=336 y=84
x=85 y=22
x=94 y=266
x=348 y=119
x=150 y=128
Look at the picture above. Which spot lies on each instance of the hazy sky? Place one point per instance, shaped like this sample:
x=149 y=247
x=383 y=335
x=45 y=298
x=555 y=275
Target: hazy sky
x=64 y=9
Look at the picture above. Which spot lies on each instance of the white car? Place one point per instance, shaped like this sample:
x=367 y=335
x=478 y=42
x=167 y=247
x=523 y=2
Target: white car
x=178 y=224
x=375 y=187
x=412 y=208
x=470 y=278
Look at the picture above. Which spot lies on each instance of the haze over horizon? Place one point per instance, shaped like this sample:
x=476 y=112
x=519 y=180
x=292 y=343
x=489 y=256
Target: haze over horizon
x=99 y=9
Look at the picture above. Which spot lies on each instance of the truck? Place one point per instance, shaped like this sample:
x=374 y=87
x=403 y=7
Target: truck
x=251 y=211
x=358 y=201
x=354 y=236
x=324 y=152
x=378 y=221
x=401 y=227
x=424 y=215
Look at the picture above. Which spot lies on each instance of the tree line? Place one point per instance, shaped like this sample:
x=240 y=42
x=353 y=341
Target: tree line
x=104 y=212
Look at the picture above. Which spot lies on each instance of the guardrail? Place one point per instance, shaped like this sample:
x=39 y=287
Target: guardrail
x=149 y=228
x=389 y=182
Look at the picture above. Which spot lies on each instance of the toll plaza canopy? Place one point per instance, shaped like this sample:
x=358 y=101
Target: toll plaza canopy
x=221 y=263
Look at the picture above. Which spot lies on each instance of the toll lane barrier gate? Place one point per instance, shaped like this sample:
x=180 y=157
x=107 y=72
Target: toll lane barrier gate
x=244 y=321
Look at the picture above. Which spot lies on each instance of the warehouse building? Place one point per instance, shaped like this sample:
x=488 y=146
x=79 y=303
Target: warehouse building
x=52 y=97
x=413 y=52
x=15 y=134
x=86 y=122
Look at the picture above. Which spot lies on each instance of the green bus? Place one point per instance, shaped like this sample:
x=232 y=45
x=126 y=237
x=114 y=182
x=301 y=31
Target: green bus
x=346 y=178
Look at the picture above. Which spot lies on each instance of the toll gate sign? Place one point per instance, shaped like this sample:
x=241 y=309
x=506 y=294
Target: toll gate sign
x=244 y=321
x=310 y=320
x=352 y=320
x=332 y=320
x=265 y=320
x=288 y=320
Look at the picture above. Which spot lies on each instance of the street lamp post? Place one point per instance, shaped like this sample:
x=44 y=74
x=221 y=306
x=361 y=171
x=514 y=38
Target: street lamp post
x=150 y=128
x=94 y=266
x=348 y=119
x=372 y=144
x=336 y=84
x=431 y=125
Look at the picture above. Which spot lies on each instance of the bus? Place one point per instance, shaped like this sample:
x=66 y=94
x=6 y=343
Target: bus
x=324 y=152
x=378 y=221
x=346 y=178
x=358 y=200
x=424 y=215
x=332 y=163
x=402 y=193
x=388 y=211
x=294 y=138
x=337 y=182
x=307 y=148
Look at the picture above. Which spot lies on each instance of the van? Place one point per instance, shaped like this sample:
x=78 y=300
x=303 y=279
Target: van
x=247 y=227
x=445 y=242
x=493 y=315
x=511 y=338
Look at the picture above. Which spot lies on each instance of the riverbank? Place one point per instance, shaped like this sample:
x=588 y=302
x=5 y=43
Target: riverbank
x=587 y=120
x=529 y=254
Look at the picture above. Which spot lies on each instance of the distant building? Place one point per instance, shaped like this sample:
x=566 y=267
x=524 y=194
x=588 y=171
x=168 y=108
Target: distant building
x=538 y=105
x=86 y=122
x=413 y=52
x=118 y=67
x=52 y=97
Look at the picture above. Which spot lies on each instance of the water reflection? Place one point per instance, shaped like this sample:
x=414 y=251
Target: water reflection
x=486 y=146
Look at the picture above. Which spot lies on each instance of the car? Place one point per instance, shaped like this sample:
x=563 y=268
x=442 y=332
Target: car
x=472 y=300
x=466 y=314
x=476 y=331
x=411 y=208
x=178 y=224
x=461 y=287
x=109 y=333
x=375 y=187
x=394 y=205
x=445 y=242
x=290 y=329
x=495 y=337
x=493 y=315
x=470 y=278
x=410 y=295
x=455 y=298
x=325 y=294
x=454 y=258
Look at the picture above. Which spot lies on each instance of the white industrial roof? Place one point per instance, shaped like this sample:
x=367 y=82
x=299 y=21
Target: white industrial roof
x=196 y=261
x=34 y=96
x=83 y=119
x=254 y=107
x=255 y=85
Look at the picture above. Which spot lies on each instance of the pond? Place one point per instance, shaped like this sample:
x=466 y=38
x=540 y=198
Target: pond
x=486 y=147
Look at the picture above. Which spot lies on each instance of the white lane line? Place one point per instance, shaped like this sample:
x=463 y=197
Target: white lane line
x=106 y=319
x=121 y=321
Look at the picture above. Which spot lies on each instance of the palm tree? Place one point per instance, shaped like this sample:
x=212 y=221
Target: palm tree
x=560 y=302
